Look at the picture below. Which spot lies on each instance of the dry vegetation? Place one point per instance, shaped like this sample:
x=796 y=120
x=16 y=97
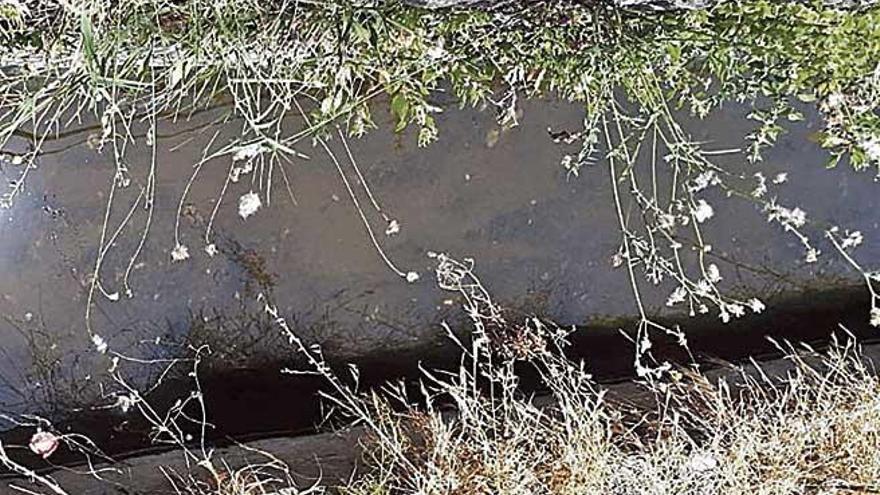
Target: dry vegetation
x=814 y=430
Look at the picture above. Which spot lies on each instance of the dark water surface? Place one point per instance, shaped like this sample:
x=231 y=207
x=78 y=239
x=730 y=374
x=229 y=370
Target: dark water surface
x=542 y=240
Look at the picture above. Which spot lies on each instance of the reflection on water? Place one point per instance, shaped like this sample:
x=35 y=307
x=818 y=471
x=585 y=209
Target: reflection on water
x=542 y=240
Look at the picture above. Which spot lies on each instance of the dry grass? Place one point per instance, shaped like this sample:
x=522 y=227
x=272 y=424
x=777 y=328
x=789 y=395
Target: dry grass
x=271 y=476
x=815 y=431
x=812 y=429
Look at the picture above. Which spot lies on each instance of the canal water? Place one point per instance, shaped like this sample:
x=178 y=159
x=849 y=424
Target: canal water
x=543 y=241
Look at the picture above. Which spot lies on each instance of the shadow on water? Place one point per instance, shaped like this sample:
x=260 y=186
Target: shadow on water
x=259 y=401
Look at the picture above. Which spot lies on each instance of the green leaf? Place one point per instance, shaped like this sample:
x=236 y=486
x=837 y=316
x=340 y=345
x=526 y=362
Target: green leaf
x=834 y=161
x=88 y=40
x=400 y=109
x=360 y=33
x=806 y=97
